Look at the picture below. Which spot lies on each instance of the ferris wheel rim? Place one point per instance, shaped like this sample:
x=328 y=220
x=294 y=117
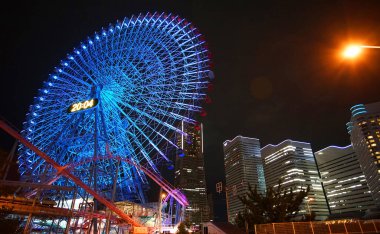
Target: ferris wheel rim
x=107 y=91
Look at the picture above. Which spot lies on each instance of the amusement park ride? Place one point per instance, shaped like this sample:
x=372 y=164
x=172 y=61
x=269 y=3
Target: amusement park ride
x=104 y=122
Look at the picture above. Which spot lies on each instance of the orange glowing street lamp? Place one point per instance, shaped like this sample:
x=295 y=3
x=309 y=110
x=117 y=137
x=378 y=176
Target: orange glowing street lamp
x=353 y=51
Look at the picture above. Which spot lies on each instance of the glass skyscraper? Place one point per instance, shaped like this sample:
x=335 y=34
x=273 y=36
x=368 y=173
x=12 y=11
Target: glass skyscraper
x=243 y=166
x=293 y=163
x=343 y=180
x=189 y=175
x=364 y=130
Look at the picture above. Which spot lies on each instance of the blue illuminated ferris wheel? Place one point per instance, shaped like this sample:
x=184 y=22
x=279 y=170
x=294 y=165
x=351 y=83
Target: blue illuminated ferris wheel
x=123 y=92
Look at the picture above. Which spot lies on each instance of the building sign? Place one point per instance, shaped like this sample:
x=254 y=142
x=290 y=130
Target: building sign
x=219 y=187
x=83 y=105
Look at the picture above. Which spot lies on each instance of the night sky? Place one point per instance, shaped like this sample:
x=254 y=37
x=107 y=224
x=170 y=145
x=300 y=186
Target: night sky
x=277 y=68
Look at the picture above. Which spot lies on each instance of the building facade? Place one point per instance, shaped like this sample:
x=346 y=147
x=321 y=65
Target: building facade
x=189 y=175
x=364 y=130
x=343 y=180
x=243 y=166
x=293 y=163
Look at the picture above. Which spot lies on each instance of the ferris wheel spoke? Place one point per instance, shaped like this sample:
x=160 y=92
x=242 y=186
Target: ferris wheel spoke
x=150 y=117
x=178 y=106
x=144 y=153
x=161 y=135
x=91 y=63
x=65 y=91
x=74 y=78
x=139 y=172
x=61 y=81
x=167 y=113
x=142 y=133
x=84 y=70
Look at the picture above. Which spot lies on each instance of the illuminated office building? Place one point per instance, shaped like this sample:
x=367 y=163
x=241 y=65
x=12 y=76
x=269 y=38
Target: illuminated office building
x=243 y=165
x=364 y=128
x=293 y=163
x=343 y=180
x=189 y=173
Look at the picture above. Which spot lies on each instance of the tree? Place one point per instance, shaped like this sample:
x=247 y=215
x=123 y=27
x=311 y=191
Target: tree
x=276 y=205
x=182 y=228
x=309 y=217
x=240 y=220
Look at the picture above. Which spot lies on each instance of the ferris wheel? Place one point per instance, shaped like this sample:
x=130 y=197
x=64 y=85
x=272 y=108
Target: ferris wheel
x=123 y=92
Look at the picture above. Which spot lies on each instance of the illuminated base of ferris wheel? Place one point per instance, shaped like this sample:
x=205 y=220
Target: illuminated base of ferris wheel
x=80 y=218
x=82 y=213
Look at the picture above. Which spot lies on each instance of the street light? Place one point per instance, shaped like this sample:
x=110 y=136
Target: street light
x=160 y=200
x=308 y=200
x=352 y=51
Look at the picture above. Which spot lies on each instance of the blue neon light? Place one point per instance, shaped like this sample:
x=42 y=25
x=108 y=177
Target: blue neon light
x=358 y=113
x=148 y=74
x=356 y=106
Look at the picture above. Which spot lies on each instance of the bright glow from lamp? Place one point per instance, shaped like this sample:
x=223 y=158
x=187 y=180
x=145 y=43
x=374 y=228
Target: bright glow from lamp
x=352 y=51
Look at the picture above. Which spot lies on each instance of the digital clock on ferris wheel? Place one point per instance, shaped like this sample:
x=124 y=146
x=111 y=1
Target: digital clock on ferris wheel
x=79 y=106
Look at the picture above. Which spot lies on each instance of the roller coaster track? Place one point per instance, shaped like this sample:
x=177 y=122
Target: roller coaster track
x=165 y=185
x=36 y=209
x=43 y=210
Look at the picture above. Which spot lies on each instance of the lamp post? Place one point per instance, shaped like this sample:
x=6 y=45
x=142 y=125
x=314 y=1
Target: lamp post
x=310 y=199
x=352 y=51
x=161 y=198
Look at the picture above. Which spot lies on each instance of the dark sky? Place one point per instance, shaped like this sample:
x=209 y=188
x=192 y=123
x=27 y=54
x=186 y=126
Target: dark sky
x=278 y=75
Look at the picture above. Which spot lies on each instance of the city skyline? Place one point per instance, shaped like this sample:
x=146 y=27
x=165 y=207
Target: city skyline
x=273 y=72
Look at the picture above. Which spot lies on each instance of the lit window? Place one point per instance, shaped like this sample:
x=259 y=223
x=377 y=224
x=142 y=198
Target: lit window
x=369 y=137
x=374 y=144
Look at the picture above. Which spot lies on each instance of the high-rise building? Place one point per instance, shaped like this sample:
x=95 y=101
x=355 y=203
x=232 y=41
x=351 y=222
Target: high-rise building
x=364 y=130
x=189 y=175
x=243 y=166
x=293 y=163
x=343 y=180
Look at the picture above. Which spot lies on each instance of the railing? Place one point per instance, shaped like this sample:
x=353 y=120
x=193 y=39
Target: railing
x=35 y=209
x=321 y=227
